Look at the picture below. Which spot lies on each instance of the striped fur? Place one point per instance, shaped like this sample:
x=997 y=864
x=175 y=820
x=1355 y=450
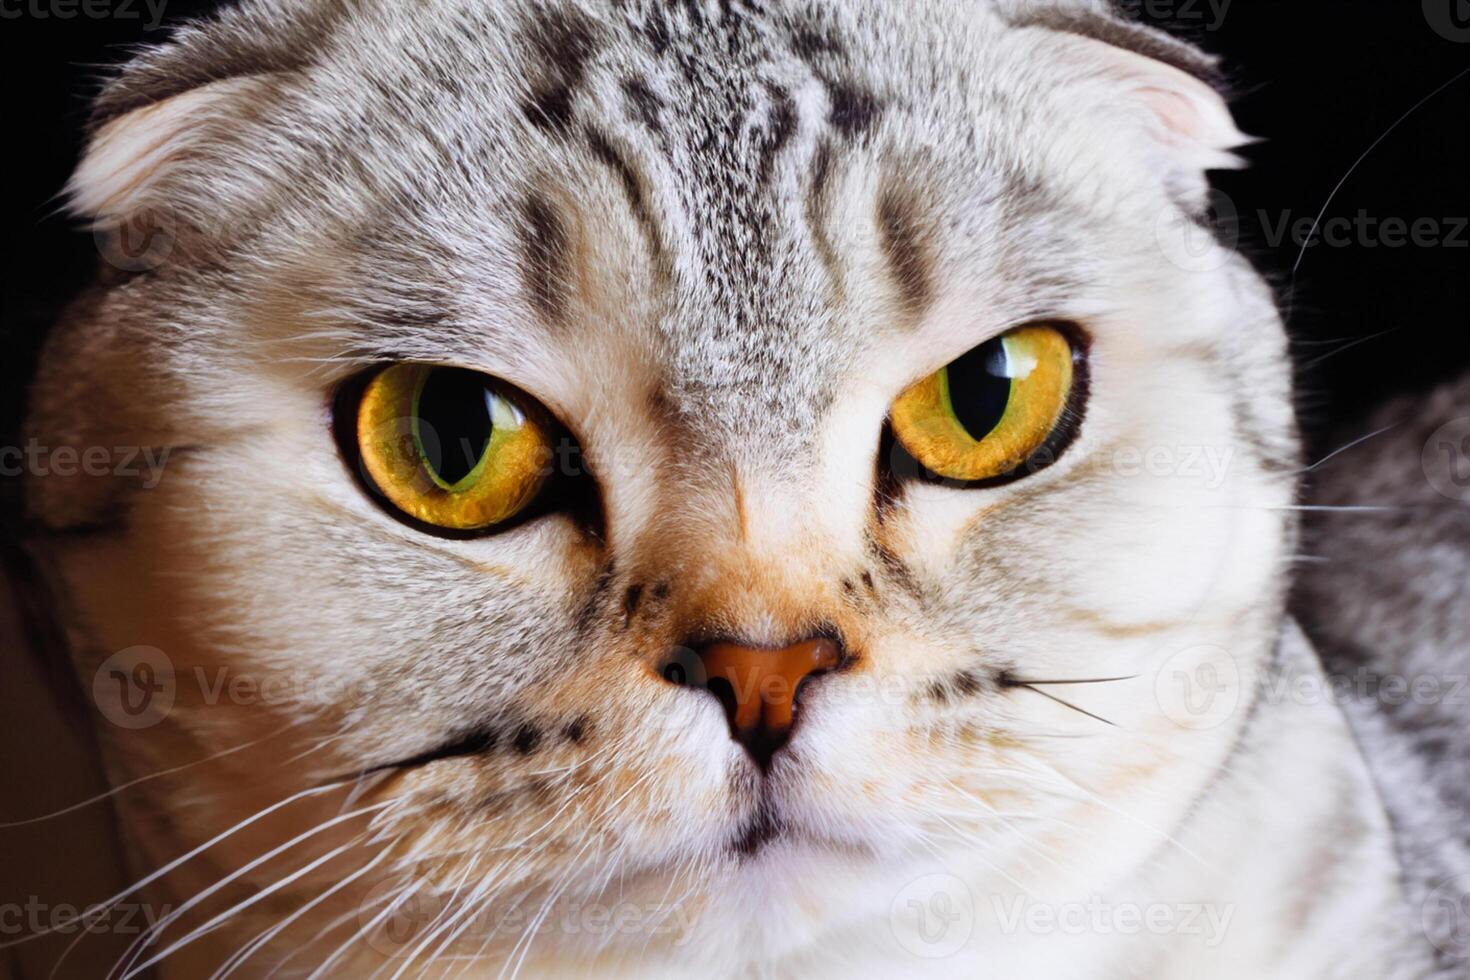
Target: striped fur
x=717 y=238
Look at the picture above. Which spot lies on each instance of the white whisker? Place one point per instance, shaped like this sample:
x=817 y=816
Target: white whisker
x=1352 y=445
x=214 y=923
x=154 y=876
x=144 y=779
x=398 y=898
x=152 y=933
x=262 y=939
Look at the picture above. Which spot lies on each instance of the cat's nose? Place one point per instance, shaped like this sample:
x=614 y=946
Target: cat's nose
x=757 y=687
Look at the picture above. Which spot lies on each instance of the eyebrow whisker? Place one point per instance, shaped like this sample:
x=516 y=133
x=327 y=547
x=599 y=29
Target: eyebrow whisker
x=1027 y=682
x=1066 y=704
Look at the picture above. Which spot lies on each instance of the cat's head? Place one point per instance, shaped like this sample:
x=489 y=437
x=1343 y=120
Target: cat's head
x=684 y=279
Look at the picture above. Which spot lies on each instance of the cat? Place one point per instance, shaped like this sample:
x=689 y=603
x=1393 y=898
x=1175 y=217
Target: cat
x=709 y=487
x=1395 y=627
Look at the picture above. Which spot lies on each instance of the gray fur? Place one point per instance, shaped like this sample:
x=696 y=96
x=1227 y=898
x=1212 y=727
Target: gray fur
x=1387 y=597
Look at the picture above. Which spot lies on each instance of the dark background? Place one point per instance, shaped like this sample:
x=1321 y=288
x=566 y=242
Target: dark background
x=1319 y=80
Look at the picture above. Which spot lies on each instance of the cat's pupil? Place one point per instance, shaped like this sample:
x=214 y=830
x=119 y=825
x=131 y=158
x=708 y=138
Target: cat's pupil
x=454 y=422
x=980 y=387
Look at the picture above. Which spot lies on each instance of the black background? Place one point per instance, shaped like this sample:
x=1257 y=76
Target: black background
x=1318 y=80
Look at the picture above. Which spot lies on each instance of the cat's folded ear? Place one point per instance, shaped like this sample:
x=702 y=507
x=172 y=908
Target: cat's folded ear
x=1135 y=81
x=1169 y=84
x=132 y=159
x=1186 y=114
x=1182 y=118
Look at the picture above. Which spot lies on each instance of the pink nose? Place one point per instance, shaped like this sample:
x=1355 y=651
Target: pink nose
x=758 y=688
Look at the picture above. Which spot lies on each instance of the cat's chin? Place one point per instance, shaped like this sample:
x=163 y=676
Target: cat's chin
x=781 y=901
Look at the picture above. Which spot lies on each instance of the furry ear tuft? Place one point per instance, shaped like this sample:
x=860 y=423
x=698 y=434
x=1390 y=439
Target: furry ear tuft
x=1187 y=115
x=1143 y=77
x=130 y=157
x=1180 y=120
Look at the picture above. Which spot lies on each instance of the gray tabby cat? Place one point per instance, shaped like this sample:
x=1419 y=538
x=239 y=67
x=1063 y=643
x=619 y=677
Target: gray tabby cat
x=730 y=487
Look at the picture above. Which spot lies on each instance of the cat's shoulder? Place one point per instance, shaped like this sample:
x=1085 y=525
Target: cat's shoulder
x=1384 y=592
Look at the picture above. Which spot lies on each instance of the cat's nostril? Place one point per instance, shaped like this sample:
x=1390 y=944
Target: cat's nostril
x=758 y=688
x=684 y=668
x=724 y=693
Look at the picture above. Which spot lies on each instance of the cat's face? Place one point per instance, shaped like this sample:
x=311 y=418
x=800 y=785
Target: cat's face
x=716 y=253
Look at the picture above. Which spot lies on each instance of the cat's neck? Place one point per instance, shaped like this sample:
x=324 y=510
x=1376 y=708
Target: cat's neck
x=1298 y=851
x=1285 y=867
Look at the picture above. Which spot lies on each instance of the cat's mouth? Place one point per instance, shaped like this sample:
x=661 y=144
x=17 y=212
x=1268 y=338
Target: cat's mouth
x=771 y=814
x=764 y=827
x=767 y=828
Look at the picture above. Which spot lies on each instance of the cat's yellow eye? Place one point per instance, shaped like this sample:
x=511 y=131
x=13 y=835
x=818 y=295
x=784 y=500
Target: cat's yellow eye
x=452 y=448
x=987 y=414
